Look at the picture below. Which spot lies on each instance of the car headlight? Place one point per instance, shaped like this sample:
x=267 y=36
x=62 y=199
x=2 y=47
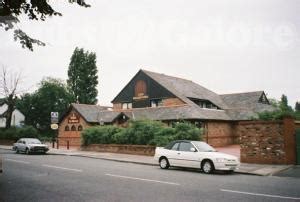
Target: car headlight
x=221 y=160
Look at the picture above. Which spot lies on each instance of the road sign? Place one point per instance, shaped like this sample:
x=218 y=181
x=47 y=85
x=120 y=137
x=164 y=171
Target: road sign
x=54 y=117
x=54 y=126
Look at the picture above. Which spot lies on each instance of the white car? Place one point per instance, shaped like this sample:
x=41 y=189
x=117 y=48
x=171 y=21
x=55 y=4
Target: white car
x=195 y=154
x=30 y=145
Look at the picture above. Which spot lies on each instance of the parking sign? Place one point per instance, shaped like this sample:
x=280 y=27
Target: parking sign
x=54 y=117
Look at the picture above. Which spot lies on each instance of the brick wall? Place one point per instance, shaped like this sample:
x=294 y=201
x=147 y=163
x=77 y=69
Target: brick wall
x=267 y=142
x=73 y=137
x=117 y=106
x=219 y=134
x=125 y=149
x=6 y=142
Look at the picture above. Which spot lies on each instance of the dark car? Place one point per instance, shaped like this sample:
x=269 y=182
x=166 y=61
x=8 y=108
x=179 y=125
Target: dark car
x=30 y=145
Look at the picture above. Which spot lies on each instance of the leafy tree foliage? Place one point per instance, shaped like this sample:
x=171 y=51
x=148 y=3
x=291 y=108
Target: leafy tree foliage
x=83 y=78
x=52 y=95
x=282 y=109
x=297 y=110
x=297 y=107
x=10 y=10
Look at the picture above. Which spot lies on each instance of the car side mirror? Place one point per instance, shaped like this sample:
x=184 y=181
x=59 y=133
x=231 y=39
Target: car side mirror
x=193 y=149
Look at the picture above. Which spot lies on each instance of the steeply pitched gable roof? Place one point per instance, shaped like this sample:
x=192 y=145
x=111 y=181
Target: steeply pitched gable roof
x=185 y=89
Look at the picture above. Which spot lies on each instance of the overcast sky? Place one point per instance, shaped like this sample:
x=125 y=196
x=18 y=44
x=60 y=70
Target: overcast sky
x=226 y=46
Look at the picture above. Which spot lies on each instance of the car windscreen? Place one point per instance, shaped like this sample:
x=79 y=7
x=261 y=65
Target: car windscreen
x=34 y=142
x=203 y=147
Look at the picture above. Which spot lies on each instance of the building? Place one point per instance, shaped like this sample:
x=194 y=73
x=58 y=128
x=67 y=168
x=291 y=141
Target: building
x=154 y=96
x=17 y=117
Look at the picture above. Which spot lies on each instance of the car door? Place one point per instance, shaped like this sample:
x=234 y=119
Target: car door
x=173 y=154
x=18 y=144
x=188 y=156
x=22 y=145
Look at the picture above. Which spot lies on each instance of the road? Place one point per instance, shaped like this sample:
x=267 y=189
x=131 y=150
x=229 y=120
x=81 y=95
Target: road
x=68 y=178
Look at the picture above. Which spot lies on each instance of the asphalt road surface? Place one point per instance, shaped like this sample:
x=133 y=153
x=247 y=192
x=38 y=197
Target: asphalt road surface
x=67 y=178
x=292 y=172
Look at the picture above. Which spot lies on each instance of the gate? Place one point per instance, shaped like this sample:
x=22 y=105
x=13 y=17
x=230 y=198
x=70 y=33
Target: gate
x=298 y=145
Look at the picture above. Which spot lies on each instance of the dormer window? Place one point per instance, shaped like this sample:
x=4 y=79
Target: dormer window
x=205 y=104
x=156 y=103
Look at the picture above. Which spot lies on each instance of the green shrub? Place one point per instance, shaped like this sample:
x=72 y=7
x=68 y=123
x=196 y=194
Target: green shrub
x=27 y=131
x=187 y=131
x=17 y=133
x=100 y=135
x=142 y=132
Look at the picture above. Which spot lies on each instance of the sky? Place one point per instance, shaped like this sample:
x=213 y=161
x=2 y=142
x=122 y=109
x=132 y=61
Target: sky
x=227 y=46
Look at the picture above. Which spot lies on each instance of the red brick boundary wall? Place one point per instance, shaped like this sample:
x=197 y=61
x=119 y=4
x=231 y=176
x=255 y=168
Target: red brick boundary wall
x=145 y=150
x=6 y=142
x=267 y=142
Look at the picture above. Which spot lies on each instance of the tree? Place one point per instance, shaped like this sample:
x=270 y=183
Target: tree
x=283 y=104
x=9 y=88
x=83 y=78
x=281 y=109
x=10 y=10
x=52 y=95
x=297 y=107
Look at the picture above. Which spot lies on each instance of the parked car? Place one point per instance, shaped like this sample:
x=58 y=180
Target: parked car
x=195 y=154
x=30 y=145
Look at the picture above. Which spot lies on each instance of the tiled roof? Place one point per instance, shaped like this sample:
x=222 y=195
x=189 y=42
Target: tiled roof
x=95 y=113
x=177 y=113
x=185 y=89
x=238 y=106
x=243 y=106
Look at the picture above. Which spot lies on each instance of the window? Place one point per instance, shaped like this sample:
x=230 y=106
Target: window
x=156 y=103
x=80 y=128
x=175 y=146
x=127 y=105
x=140 y=88
x=206 y=104
x=67 y=128
x=185 y=146
x=73 y=128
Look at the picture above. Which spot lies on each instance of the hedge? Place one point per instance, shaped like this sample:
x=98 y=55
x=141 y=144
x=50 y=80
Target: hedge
x=17 y=133
x=144 y=132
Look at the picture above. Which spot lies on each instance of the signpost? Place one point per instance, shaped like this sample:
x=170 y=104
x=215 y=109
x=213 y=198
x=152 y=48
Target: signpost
x=54 y=117
x=54 y=125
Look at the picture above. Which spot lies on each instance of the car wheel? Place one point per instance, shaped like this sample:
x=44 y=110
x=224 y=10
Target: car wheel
x=164 y=163
x=207 y=167
x=27 y=151
x=17 y=150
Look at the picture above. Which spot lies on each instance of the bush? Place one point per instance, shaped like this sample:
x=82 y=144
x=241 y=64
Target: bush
x=17 y=133
x=142 y=132
x=100 y=135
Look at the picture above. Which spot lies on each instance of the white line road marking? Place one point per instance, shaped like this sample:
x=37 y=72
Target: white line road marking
x=257 y=194
x=17 y=161
x=63 y=168
x=141 y=179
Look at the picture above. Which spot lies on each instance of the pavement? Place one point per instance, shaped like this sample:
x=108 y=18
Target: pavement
x=245 y=168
